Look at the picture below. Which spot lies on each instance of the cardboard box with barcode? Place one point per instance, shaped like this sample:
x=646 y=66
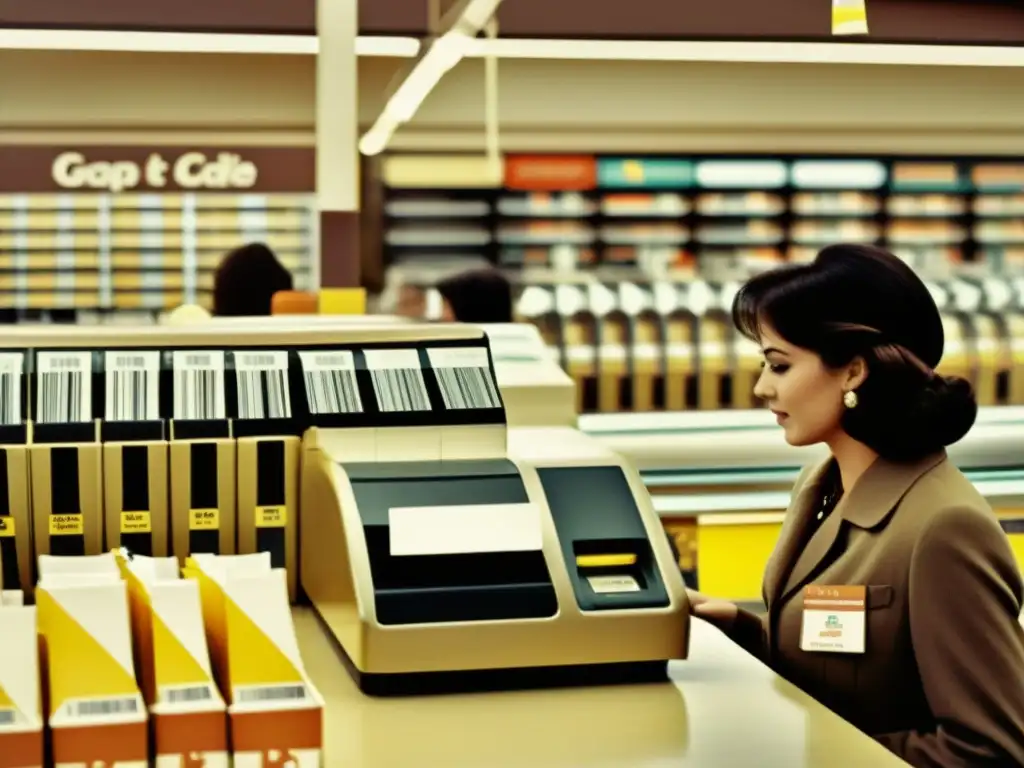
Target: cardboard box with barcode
x=134 y=453
x=96 y=712
x=432 y=541
x=188 y=714
x=65 y=454
x=16 y=555
x=263 y=383
x=21 y=710
x=275 y=712
x=202 y=454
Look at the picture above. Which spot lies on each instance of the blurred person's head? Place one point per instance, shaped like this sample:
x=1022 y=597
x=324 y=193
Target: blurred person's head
x=476 y=296
x=246 y=281
x=851 y=342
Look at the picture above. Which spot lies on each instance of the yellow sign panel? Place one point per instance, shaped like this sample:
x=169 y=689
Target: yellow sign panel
x=271 y=517
x=6 y=527
x=203 y=519
x=136 y=522
x=66 y=525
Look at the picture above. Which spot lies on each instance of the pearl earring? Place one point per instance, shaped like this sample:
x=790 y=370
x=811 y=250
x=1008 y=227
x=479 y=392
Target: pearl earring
x=850 y=399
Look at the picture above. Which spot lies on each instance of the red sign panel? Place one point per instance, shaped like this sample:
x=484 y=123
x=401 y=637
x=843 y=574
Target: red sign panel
x=550 y=173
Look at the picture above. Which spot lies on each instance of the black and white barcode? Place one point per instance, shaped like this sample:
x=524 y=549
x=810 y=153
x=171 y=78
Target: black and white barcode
x=263 y=394
x=400 y=389
x=102 y=707
x=129 y=390
x=195 y=395
x=190 y=695
x=129 y=362
x=270 y=693
x=8 y=717
x=60 y=397
x=332 y=391
x=10 y=399
x=467 y=388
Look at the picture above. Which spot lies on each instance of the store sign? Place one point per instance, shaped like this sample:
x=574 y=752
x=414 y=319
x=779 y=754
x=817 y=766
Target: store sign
x=192 y=170
x=125 y=169
x=626 y=173
x=550 y=173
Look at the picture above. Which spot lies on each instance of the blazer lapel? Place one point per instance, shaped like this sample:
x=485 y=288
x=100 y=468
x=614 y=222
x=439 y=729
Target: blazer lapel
x=794 y=531
x=867 y=505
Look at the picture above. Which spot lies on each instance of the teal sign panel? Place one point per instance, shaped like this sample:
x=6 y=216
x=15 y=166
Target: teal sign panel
x=626 y=173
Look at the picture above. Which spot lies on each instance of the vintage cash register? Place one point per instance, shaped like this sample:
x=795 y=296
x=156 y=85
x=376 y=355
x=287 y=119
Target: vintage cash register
x=443 y=549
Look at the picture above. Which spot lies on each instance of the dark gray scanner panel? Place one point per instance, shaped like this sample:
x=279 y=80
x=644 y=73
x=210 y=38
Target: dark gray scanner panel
x=447 y=588
x=595 y=514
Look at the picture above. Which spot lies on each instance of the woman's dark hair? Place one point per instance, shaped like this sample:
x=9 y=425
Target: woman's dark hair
x=478 y=296
x=246 y=281
x=862 y=301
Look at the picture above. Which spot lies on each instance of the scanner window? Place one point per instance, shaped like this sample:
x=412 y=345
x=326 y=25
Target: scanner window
x=489 y=586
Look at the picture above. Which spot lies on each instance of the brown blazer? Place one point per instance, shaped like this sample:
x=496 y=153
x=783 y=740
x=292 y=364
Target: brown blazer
x=942 y=680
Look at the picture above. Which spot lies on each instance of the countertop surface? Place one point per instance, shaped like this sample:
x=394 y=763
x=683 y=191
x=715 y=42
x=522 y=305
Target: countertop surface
x=722 y=709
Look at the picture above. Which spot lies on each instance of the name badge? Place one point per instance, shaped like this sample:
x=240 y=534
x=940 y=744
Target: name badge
x=834 y=619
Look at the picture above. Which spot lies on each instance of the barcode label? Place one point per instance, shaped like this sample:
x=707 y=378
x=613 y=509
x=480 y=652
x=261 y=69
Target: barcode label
x=12 y=366
x=199 y=385
x=64 y=389
x=189 y=695
x=8 y=717
x=132 y=386
x=397 y=380
x=330 y=379
x=262 y=382
x=264 y=693
x=102 y=707
x=464 y=377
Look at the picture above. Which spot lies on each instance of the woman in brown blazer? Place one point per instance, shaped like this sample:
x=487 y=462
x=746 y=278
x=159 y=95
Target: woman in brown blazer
x=931 y=662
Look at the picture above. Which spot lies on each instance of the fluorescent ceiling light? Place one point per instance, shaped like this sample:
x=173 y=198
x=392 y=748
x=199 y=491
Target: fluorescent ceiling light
x=194 y=42
x=523 y=48
x=750 y=52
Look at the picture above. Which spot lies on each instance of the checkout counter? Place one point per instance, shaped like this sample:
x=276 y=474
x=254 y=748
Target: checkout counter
x=216 y=464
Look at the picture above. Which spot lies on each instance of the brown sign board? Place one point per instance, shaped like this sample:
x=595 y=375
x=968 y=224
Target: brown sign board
x=296 y=17
x=913 y=21
x=127 y=169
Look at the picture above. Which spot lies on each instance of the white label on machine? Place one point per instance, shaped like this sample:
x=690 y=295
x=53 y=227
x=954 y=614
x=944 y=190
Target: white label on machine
x=261 y=378
x=132 y=385
x=397 y=380
x=464 y=529
x=464 y=377
x=12 y=366
x=65 y=387
x=607 y=585
x=198 y=385
x=330 y=379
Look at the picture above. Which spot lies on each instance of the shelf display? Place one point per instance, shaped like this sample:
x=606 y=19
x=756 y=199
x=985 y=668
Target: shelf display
x=629 y=268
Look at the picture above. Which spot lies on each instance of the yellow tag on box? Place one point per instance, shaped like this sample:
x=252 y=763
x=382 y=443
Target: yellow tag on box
x=7 y=529
x=136 y=522
x=66 y=525
x=271 y=517
x=204 y=519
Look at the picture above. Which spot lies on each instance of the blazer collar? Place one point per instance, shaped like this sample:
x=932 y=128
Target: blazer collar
x=867 y=505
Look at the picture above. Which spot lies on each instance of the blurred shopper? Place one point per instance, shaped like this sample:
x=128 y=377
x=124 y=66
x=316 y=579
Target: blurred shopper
x=246 y=281
x=931 y=663
x=476 y=296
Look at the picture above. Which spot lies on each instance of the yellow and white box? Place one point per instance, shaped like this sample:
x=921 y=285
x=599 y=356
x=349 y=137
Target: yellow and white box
x=187 y=712
x=96 y=712
x=275 y=712
x=21 y=711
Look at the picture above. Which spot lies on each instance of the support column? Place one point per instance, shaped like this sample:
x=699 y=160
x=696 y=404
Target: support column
x=337 y=137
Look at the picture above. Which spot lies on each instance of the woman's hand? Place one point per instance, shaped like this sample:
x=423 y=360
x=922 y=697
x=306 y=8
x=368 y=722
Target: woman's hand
x=721 y=613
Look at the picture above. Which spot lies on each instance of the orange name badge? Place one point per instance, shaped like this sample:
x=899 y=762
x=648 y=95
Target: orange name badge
x=834 y=619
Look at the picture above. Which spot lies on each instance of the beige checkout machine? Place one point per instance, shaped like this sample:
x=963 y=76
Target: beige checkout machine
x=445 y=550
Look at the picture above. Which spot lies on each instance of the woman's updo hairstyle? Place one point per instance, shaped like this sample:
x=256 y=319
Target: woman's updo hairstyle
x=859 y=300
